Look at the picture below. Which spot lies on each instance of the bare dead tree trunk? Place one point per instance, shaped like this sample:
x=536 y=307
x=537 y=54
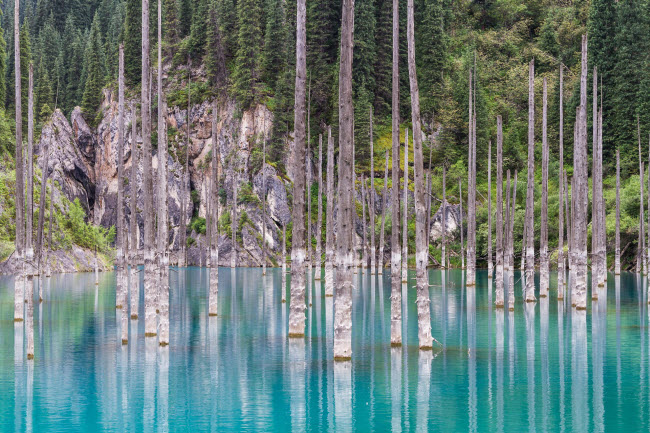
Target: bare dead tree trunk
x=489 y=200
x=163 y=212
x=263 y=196
x=30 y=269
x=640 y=259
x=297 y=305
x=405 y=251
x=530 y=214
x=308 y=185
x=580 y=192
x=396 y=255
x=499 y=302
x=567 y=215
x=319 y=223
x=511 y=247
x=471 y=218
x=462 y=240
x=343 y=292
x=382 y=234
x=364 y=230
x=506 y=235
x=134 y=244
x=19 y=280
x=284 y=262
x=443 y=257
x=234 y=224
x=599 y=217
x=617 y=253
x=543 y=254
x=329 y=231
x=186 y=187
x=594 y=181
x=421 y=248
x=214 y=217
x=371 y=191
x=120 y=301
x=150 y=292
x=560 y=249
x=601 y=206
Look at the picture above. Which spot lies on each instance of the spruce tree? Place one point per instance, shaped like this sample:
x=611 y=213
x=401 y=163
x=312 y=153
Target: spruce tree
x=198 y=29
x=431 y=46
x=171 y=26
x=132 y=37
x=215 y=61
x=382 y=69
x=185 y=17
x=227 y=15
x=275 y=50
x=246 y=76
x=94 y=73
x=44 y=94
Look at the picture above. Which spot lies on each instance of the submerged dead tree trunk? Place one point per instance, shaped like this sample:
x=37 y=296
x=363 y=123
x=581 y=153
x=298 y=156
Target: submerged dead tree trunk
x=329 y=231
x=617 y=247
x=19 y=279
x=640 y=257
x=343 y=298
x=213 y=242
x=443 y=256
x=405 y=205
x=263 y=190
x=489 y=200
x=580 y=191
x=560 y=245
x=186 y=186
x=133 y=222
x=511 y=247
x=382 y=234
x=396 y=255
x=371 y=210
x=421 y=248
x=530 y=214
x=364 y=241
x=499 y=259
x=543 y=247
x=234 y=223
x=297 y=302
x=150 y=317
x=471 y=217
x=120 y=298
x=462 y=240
x=30 y=269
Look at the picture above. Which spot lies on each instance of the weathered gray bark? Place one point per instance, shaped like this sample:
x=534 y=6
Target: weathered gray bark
x=150 y=274
x=343 y=292
x=133 y=222
x=19 y=280
x=601 y=208
x=120 y=295
x=580 y=191
x=371 y=191
x=425 y=339
x=530 y=214
x=511 y=235
x=561 y=187
x=310 y=259
x=30 y=269
x=640 y=257
x=443 y=257
x=213 y=241
x=499 y=302
x=364 y=230
x=162 y=256
x=319 y=224
x=234 y=223
x=489 y=200
x=471 y=206
x=405 y=205
x=506 y=234
x=382 y=234
x=329 y=231
x=396 y=255
x=263 y=193
x=297 y=303
x=594 y=181
x=617 y=248
x=567 y=215
x=462 y=228
x=543 y=253
x=284 y=262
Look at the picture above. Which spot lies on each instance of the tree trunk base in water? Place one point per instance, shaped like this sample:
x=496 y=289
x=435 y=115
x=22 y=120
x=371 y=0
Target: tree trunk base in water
x=118 y=307
x=163 y=344
x=342 y=358
x=134 y=316
x=581 y=308
x=329 y=296
x=18 y=319
x=542 y=295
x=426 y=347
x=560 y=298
x=212 y=314
x=150 y=334
x=470 y=285
x=498 y=305
x=511 y=308
x=531 y=300
x=594 y=297
x=395 y=344
x=125 y=342
x=30 y=356
x=296 y=335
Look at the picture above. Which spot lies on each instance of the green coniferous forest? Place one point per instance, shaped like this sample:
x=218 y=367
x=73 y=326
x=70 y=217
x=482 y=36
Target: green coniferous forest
x=245 y=49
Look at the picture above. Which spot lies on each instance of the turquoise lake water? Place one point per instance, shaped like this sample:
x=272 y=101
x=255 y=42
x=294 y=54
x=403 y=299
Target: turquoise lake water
x=544 y=367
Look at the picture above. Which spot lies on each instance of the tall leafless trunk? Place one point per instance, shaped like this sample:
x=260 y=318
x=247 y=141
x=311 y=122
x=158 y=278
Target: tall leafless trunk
x=580 y=191
x=640 y=257
x=297 y=305
x=234 y=222
x=511 y=246
x=530 y=214
x=150 y=292
x=421 y=248
x=499 y=258
x=543 y=253
x=371 y=210
x=364 y=230
x=120 y=301
x=284 y=262
x=329 y=231
x=561 y=187
x=396 y=254
x=506 y=234
x=213 y=241
x=462 y=228
x=382 y=234
x=489 y=200
x=405 y=205
x=343 y=292
x=567 y=215
x=319 y=223
x=263 y=195
x=617 y=253
x=599 y=207
x=30 y=269
x=19 y=280
x=443 y=257
x=133 y=243
x=602 y=245
x=185 y=190
x=308 y=163
x=471 y=217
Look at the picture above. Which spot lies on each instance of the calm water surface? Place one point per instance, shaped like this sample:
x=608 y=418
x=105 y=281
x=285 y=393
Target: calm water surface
x=543 y=367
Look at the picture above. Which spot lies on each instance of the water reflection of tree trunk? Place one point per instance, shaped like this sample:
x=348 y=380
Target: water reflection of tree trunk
x=149 y=409
x=162 y=400
x=579 y=369
x=342 y=397
x=617 y=282
x=499 y=360
x=529 y=315
x=297 y=399
x=471 y=357
x=543 y=347
x=560 y=341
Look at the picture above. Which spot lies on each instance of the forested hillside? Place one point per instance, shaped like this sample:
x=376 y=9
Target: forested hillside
x=245 y=49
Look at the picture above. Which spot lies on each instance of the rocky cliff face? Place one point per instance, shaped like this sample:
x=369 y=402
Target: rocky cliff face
x=84 y=162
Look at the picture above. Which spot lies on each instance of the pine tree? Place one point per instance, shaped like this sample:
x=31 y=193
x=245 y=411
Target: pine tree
x=94 y=73
x=132 y=37
x=246 y=76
